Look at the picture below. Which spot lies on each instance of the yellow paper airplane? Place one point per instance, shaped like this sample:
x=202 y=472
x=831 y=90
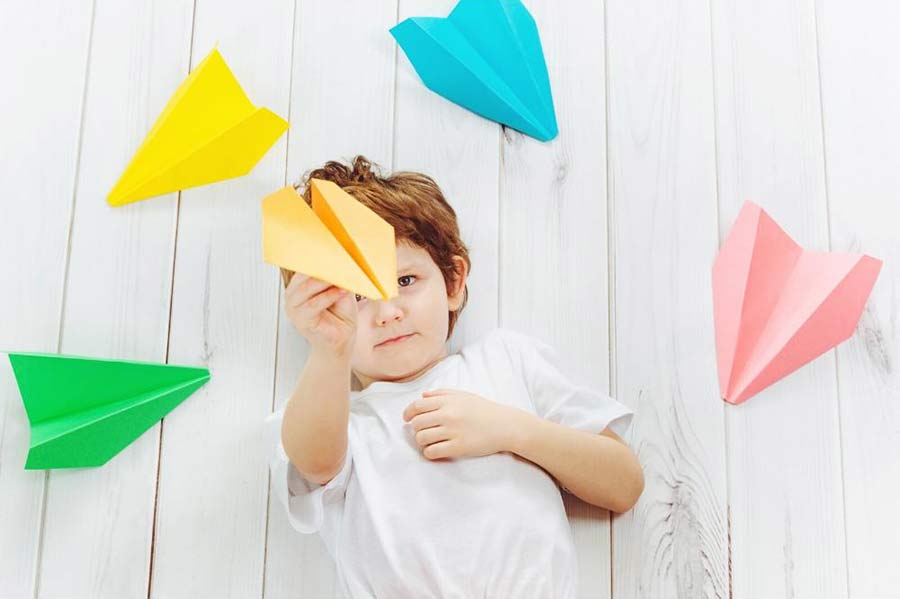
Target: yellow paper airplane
x=338 y=240
x=209 y=131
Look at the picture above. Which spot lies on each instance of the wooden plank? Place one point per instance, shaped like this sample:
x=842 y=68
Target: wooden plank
x=553 y=254
x=787 y=517
x=858 y=46
x=460 y=150
x=44 y=67
x=97 y=535
x=663 y=193
x=211 y=522
x=329 y=123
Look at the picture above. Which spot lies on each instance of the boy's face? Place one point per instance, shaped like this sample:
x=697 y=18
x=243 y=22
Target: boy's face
x=419 y=314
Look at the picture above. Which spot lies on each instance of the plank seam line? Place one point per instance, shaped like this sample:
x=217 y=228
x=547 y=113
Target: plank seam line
x=39 y=551
x=396 y=62
x=837 y=375
x=726 y=429
x=153 y=525
x=612 y=380
x=287 y=151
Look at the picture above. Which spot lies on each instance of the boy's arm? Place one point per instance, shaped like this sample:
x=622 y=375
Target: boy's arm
x=598 y=468
x=314 y=429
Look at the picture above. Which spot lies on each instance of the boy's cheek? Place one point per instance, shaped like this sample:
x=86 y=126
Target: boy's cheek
x=358 y=350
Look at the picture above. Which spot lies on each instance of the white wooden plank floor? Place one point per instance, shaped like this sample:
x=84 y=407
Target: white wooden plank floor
x=601 y=242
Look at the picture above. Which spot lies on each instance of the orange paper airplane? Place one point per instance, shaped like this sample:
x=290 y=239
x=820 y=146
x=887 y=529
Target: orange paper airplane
x=338 y=239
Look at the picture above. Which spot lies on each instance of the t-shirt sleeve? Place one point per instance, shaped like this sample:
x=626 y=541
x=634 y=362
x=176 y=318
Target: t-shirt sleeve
x=559 y=397
x=307 y=503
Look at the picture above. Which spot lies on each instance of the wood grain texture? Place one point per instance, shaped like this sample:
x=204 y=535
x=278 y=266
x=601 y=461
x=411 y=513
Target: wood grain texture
x=662 y=187
x=211 y=521
x=44 y=66
x=860 y=93
x=98 y=523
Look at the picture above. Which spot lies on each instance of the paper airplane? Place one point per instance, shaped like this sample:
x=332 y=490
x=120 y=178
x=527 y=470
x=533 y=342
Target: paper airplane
x=209 y=131
x=778 y=306
x=485 y=56
x=83 y=411
x=338 y=239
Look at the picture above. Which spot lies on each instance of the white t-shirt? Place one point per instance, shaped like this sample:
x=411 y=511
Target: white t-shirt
x=400 y=525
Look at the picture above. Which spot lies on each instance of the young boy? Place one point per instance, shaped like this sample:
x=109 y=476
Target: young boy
x=440 y=476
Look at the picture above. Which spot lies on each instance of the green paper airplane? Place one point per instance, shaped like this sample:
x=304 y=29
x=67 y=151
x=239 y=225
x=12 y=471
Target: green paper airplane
x=83 y=411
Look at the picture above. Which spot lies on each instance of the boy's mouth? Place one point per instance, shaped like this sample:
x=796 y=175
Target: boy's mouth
x=394 y=340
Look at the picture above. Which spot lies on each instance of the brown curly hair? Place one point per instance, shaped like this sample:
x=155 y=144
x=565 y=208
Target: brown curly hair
x=411 y=202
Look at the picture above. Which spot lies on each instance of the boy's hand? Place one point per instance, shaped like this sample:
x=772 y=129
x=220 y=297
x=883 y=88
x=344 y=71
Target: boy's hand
x=326 y=315
x=452 y=424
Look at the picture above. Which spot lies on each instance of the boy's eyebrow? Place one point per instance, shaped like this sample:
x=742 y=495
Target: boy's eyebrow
x=408 y=267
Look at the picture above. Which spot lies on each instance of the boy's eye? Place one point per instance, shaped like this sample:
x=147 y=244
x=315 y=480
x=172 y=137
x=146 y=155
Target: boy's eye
x=405 y=281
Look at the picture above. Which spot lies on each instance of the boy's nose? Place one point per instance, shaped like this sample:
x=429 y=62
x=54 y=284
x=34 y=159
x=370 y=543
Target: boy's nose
x=387 y=311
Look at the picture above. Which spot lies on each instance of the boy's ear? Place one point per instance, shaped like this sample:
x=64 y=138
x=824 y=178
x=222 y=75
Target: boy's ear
x=455 y=297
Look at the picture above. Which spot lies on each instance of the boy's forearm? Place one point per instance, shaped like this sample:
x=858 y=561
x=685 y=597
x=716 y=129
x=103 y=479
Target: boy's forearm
x=597 y=469
x=314 y=429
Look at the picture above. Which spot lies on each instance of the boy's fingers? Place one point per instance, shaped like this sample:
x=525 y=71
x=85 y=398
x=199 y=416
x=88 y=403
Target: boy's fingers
x=309 y=287
x=324 y=300
x=418 y=406
x=296 y=280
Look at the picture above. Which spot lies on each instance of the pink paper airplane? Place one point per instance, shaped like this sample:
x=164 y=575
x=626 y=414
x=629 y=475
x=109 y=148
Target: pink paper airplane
x=778 y=306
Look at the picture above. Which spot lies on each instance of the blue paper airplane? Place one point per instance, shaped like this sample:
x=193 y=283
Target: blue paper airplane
x=485 y=56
